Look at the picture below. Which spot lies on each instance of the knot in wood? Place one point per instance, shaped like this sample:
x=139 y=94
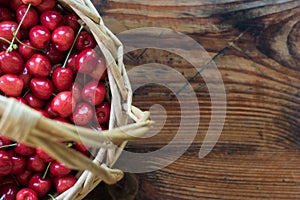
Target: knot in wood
x=18 y=120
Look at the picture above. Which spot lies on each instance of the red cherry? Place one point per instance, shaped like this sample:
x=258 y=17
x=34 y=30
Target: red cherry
x=63 y=37
x=39 y=65
x=55 y=56
x=23 y=178
x=71 y=62
x=51 y=19
x=93 y=92
x=100 y=71
x=63 y=103
x=59 y=169
x=83 y=114
x=19 y=164
x=27 y=194
x=63 y=183
x=39 y=36
x=5 y=14
x=7 y=180
x=8 y=191
x=80 y=147
x=85 y=40
x=72 y=21
x=76 y=91
x=31 y=19
x=35 y=163
x=5 y=140
x=86 y=61
x=33 y=101
x=6 y=30
x=42 y=88
x=49 y=110
x=102 y=112
x=11 y=85
x=43 y=155
x=23 y=149
x=39 y=185
x=62 y=78
x=15 y=4
x=25 y=51
x=46 y=5
x=11 y=62
x=6 y=163
x=26 y=77
x=33 y=2
x=21 y=100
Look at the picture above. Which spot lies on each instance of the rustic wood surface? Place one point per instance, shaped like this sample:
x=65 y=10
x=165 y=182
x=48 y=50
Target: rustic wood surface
x=257 y=154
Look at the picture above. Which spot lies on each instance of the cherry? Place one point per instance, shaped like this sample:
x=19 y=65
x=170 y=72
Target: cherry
x=26 y=194
x=80 y=147
x=24 y=149
x=11 y=62
x=35 y=163
x=83 y=114
x=72 y=21
x=15 y=4
x=76 y=91
x=6 y=163
x=43 y=155
x=63 y=37
x=102 y=112
x=8 y=191
x=59 y=169
x=39 y=36
x=42 y=88
x=5 y=14
x=19 y=164
x=100 y=71
x=62 y=78
x=63 y=103
x=33 y=101
x=26 y=77
x=46 y=5
x=93 y=92
x=6 y=30
x=24 y=177
x=85 y=40
x=3 y=45
x=30 y=17
x=33 y=2
x=86 y=61
x=40 y=184
x=55 y=56
x=11 y=85
x=21 y=100
x=39 y=65
x=25 y=49
x=49 y=110
x=71 y=62
x=51 y=19
x=7 y=180
x=5 y=140
x=63 y=183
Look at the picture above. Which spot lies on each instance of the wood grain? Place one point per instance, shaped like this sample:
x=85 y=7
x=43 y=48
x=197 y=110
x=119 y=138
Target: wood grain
x=257 y=153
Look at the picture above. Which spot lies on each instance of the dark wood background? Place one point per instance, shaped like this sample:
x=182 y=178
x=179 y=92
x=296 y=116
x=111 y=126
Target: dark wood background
x=257 y=155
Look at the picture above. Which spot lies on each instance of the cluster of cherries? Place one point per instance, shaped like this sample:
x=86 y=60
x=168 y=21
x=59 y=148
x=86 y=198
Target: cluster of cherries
x=50 y=62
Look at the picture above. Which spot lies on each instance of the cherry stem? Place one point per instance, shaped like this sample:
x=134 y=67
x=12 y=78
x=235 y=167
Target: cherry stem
x=31 y=47
x=46 y=171
x=10 y=48
x=8 y=145
x=27 y=91
x=51 y=196
x=73 y=44
x=15 y=180
x=14 y=46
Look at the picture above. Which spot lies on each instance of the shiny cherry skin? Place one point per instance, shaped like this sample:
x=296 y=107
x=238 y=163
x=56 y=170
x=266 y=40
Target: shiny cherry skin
x=33 y=101
x=19 y=164
x=26 y=77
x=42 y=87
x=84 y=41
x=39 y=36
x=102 y=113
x=55 y=56
x=5 y=14
x=23 y=149
x=63 y=103
x=43 y=155
x=24 y=177
x=46 y=5
x=39 y=65
x=25 y=51
x=83 y=114
x=71 y=62
x=26 y=194
x=39 y=185
x=100 y=72
x=4 y=140
x=94 y=92
x=6 y=28
x=63 y=37
x=35 y=163
x=33 y=2
x=62 y=78
x=63 y=183
x=49 y=110
x=11 y=62
x=30 y=20
x=11 y=85
x=86 y=61
x=6 y=163
x=8 y=191
x=51 y=19
x=72 y=21
x=59 y=169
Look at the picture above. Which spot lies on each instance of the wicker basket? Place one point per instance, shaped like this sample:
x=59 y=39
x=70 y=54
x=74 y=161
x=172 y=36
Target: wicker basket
x=25 y=125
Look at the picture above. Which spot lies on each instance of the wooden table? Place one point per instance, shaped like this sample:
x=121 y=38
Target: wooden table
x=257 y=154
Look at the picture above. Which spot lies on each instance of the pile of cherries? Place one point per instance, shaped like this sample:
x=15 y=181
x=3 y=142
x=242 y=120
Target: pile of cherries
x=49 y=61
